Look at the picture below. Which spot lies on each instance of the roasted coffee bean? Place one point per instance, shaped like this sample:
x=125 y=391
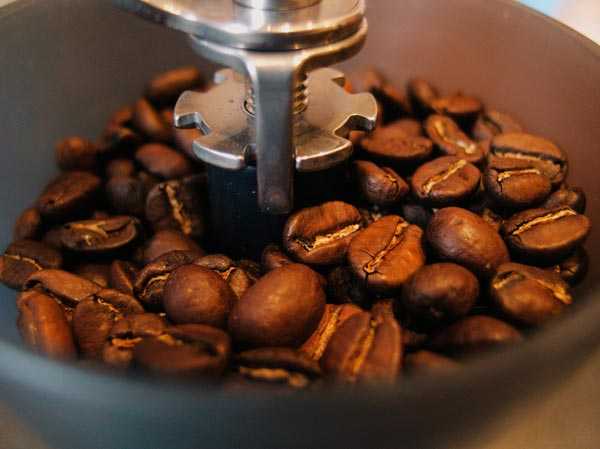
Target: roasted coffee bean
x=573 y=197
x=66 y=288
x=237 y=278
x=529 y=295
x=94 y=318
x=52 y=237
x=450 y=140
x=166 y=87
x=92 y=236
x=274 y=257
x=460 y=236
x=148 y=121
x=416 y=214
x=491 y=123
x=187 y=350
x=515 y=186
x=343 y=287
x=126 y=195
x=379 y=185
x=365 y=348
x=546 y=234
x=126 y=334
x=475 y=334
x=333 y=317
x=120 y=167
x=95 y=272
x=24 y=257
x=278 y=366
x=177 y=205
x=492 y=218
x=118 y=140
x=429 y=363
x=122 y=276
x=387 y=253
x=445 y=181
x=164 y=242
x=574 y=268
x=463 y=109
x=410 y=127
x=413 y=340
x=391 y=145
x=537 y=151
x=122 y=116
x=68 y=194
x=421 y=95
x=163 y=161
x=370 y=215
x=320 y=235
x=76 y=153
x=282 y=309
x=44 y=327
x=194 y=294
x=440 y=293
x=28 y=225
x=150 y=281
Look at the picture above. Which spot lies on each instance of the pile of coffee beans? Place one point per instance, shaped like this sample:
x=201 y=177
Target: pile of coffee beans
x=461 y=235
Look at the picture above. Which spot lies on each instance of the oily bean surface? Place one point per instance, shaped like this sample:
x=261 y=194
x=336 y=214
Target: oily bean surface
x=101 y=235
x=491 y=123
x=379 y=185
x=163 y=161
x=450 y=140
x=573 y=197
x=68 y=194
x=463 y=109
x=168 y=240
x=23 y=258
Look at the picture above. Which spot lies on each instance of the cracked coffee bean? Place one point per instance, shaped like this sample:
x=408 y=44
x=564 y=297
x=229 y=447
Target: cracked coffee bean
x=320 y=235
x=529 y=295
x=450 y=140
x=76 y=153
x=186 y=350
x=283 y=308
x=463 y=109
x=28 y=225
x=387 y=253
x=445 y=181
x=93 y=236
x=421 y=95
x=70 y=193
x=148 y=121
x=440 y=293
x=379 y=185
x=44 y=326
x=24 y=257
x=491 y=123
x=546 y=234
x=236 y=277
x=462 y=237
x=163 y=161
x=166 y=87
x=573 y=197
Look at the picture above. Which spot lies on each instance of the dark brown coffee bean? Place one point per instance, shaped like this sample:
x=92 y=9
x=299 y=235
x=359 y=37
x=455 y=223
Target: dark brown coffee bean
x=370 y=215
x=440 y=293
x=71 y=192
x=451 y=140
x=445 y=181
x=391 y=145
x=274 y=257
x=491 y=123
x=515 y=186
x=460 y=236
x=164 y=242
x=416 y=214
x=282 y=309
x=76 y=153
x=166 y=87
x=148 y=121
x=365 y=348
x=120 y=167
x=573 y=197
x=536 y=151
x=194 y=294
x=278 y=366
x=237 y=278
x=150 y=281
x=28 y=225
x=44 y=327
x=91 y=236
x=122 y=116
x=421 y=95
x=126 y=195
x=126 y=334
x=475 y=334
x=546 y=234
x=574 y=268
x=24 y=257
x=95 y=272
x=463 y=109
x=492 y=218
x=410 y=127
x=320 y=235
x=387 y=253
x=163 y=161
x=122 y=276
x=94 y=318
x=345 y=288
x=529 y=295
x=333 y=317
x=379 y=185
x=118 y=140
x=177 y=205
x=187 y=350
x=429 y=363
